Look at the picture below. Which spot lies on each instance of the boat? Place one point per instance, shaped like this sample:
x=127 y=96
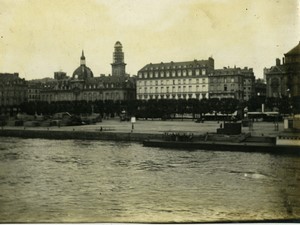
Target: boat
x=219 y=142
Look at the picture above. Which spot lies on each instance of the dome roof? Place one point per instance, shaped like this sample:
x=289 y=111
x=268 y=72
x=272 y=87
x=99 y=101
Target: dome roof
x=118 y=44
x=82 y=73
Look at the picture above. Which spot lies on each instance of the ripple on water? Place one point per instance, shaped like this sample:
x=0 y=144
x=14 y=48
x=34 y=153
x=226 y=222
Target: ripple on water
x=94 y=181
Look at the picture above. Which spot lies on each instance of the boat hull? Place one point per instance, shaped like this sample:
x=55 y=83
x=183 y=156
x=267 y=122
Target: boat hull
x=224 y=146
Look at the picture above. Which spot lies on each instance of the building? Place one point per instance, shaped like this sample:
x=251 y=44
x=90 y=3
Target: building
x=13 y=91
x=84 y=86
x=174 y=80
x=260 y=88
x=232 y=83
x=283 y=79
x=118 y=65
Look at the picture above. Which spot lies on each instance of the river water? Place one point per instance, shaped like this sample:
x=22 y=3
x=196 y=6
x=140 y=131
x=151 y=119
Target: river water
x=102 y=181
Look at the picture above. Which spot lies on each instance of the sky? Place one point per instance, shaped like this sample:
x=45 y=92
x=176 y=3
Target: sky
x=40 y=37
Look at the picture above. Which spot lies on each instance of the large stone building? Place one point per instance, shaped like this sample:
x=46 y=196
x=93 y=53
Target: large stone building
x=232 y=83
x=175 y=80
x=13 y=89
x=194 y=79
x=84 y=86
x=283 y=79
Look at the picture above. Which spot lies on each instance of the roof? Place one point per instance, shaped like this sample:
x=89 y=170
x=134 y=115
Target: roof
x=118 y=44
x=186 y=64
x=277 y=69
x=295 y=50
x=83 y=72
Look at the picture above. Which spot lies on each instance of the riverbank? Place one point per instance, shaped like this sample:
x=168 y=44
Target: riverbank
x=77 y=134
x=139 y=131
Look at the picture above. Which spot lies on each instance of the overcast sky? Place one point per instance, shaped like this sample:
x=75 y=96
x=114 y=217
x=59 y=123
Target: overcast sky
x=39 y=37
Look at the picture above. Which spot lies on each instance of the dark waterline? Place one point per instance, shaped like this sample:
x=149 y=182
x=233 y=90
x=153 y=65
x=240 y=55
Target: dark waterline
x=102 y=181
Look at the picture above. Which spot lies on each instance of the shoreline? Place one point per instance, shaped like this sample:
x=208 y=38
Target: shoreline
x=151 y=139
x=78 y=134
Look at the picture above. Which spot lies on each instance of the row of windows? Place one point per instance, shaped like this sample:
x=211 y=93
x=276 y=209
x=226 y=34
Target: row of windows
x=2 y=93
x=175 y=67
x=174 y=73
x=172 y=96
x=171 y=89
x=174 y=81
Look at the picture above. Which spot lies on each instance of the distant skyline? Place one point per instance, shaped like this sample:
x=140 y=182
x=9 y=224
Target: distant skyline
x=40 y=37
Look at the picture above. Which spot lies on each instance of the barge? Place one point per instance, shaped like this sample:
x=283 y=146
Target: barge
x=241 y=142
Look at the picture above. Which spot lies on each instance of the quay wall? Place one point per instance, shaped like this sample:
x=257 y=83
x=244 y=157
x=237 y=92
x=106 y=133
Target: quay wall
x=83 y=135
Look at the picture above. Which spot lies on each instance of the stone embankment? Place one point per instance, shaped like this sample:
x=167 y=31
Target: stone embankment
x=78 y=134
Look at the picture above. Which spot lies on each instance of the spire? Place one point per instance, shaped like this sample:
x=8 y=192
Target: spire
x=82 y=58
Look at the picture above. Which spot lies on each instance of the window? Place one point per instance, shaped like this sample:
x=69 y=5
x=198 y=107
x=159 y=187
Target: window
x=173 y=73
x=150 y=75
x=145 y=75
x=162 y=73
x=184 y=73
x=179 y=73
x=156 y=74
x=167 y=74
x=173 y=81
x=197 y=72
x=203 y=72
x=190 y=72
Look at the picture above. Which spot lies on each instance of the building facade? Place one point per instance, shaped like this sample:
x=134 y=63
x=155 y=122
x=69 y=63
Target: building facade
x=84 y=86
x=234 y=83
x=174 y=80
x=13 y=90
x=283 y=79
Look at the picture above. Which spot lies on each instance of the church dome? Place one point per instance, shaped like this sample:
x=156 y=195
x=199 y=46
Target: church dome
x=82 y=73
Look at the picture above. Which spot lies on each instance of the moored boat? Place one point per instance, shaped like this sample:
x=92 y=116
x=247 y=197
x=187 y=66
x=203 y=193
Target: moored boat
x=242 y=142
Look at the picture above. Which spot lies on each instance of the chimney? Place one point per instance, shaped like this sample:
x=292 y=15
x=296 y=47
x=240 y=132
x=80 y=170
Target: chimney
x=277 y=62
x=282 y=60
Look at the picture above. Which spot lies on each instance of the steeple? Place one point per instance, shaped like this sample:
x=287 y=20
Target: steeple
x=118 y=65
x=82 y=58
